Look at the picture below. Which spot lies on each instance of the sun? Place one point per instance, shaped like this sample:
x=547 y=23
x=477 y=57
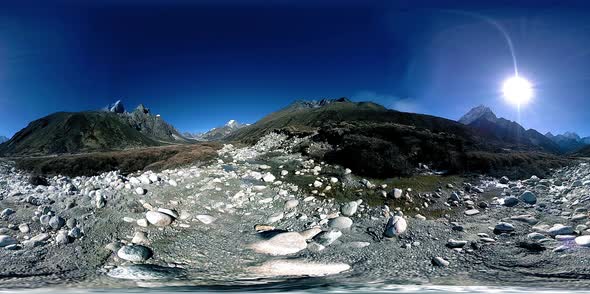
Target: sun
x=517 y=90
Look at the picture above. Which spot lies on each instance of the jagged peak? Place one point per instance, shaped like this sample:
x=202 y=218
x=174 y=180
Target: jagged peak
x=302 y=103
x=116 y=107
x=476 y=113
x=142 y=109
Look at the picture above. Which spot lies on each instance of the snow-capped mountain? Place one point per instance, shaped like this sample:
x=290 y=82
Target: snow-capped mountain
x=3 y=139
x=217 y=133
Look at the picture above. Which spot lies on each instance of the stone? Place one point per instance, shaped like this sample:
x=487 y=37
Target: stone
x=559 y=229
x=134 y=253
x=471 y=212
x=326 y=238
x=341 y=223
x=510 y=201
x=317 y=184
x=158 y=219
x=140 y=191
x=169 y=212
x=290 y=204
x=281 y=244
x=44 y=220
x=62 y=238
x=57 y=222
x=140 y=238
x=100 y=201
x=528 y=197
x=75 y=233
x=172 y=183
x=268 y=177
x=275 y=217
x=583 y=240
x=24 y=228
x=6 y=240
x=263 y=228
x=310 y=233
x=142 y=222
x=349 y=208
x=396 y=193
x=206 y=219
x=396 y=226
x=439 y=261
x=6 y=212
x=504 y=180
x=71 y=223
x=535 y=236
x=114 y=246
x=451 y=243
x=503 y=227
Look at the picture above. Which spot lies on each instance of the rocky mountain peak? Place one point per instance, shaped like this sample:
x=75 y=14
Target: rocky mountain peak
x=3 y=139
x=142 y=109
x=116 y=107
x=476 y=113
x=317 y=103
x=232 y=123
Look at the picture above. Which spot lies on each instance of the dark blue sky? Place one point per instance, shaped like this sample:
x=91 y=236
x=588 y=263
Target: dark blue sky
x=201 y=63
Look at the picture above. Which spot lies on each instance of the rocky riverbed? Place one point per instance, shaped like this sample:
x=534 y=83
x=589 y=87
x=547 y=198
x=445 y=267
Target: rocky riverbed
x=265 y=213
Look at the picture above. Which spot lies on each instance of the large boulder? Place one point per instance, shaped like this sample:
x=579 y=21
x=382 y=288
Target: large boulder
x=396 y=226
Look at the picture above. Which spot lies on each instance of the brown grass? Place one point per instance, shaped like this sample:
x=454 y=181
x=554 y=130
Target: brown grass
x=151 y=158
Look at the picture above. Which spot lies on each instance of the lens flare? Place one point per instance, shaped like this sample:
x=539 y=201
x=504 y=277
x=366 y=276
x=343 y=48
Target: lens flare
x=517 y=90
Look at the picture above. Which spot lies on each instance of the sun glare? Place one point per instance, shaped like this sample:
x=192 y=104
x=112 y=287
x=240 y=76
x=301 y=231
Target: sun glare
x=517 y=90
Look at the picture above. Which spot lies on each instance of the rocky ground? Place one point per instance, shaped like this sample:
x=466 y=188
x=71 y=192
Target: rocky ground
x=262 y=213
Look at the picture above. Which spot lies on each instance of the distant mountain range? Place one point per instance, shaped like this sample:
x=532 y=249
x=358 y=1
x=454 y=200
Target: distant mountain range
x=483 y=119
x=569 y=141
x=217 y=133
x=488 y=124
x=3 y=139
x=88 y=131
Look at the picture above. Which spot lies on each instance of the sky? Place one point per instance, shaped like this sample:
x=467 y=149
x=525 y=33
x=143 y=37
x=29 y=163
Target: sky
x=201 y=63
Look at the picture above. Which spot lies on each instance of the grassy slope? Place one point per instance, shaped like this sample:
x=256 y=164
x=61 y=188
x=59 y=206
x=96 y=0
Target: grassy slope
x=65 y=132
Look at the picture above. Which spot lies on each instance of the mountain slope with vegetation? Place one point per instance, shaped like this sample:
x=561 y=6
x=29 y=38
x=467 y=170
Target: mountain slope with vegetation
x=91 y=131
x=379 y=142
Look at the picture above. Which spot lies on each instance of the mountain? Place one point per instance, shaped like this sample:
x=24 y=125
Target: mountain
x=568 y=141
x=89 y=131
x=218 y=133
x=487 y=124
x=153 y=126
x=3 y=139
x=379 y=142
x=116 y=107
x=478 y=113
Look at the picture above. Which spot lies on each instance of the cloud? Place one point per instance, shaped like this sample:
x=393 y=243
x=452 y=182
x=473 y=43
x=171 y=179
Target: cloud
x=406 y=104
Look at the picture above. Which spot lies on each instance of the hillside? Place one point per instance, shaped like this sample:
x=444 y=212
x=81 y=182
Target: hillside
x=67 y=132
x=376 y=141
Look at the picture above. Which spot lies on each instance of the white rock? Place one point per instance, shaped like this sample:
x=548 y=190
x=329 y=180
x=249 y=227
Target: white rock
x=395 y=226
x=281 y=244
x=206 y=219
x=140 y=191
x=341 y=223
x=158 y=219
x=349 y=208
x=290 y=204
x=268 y=177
